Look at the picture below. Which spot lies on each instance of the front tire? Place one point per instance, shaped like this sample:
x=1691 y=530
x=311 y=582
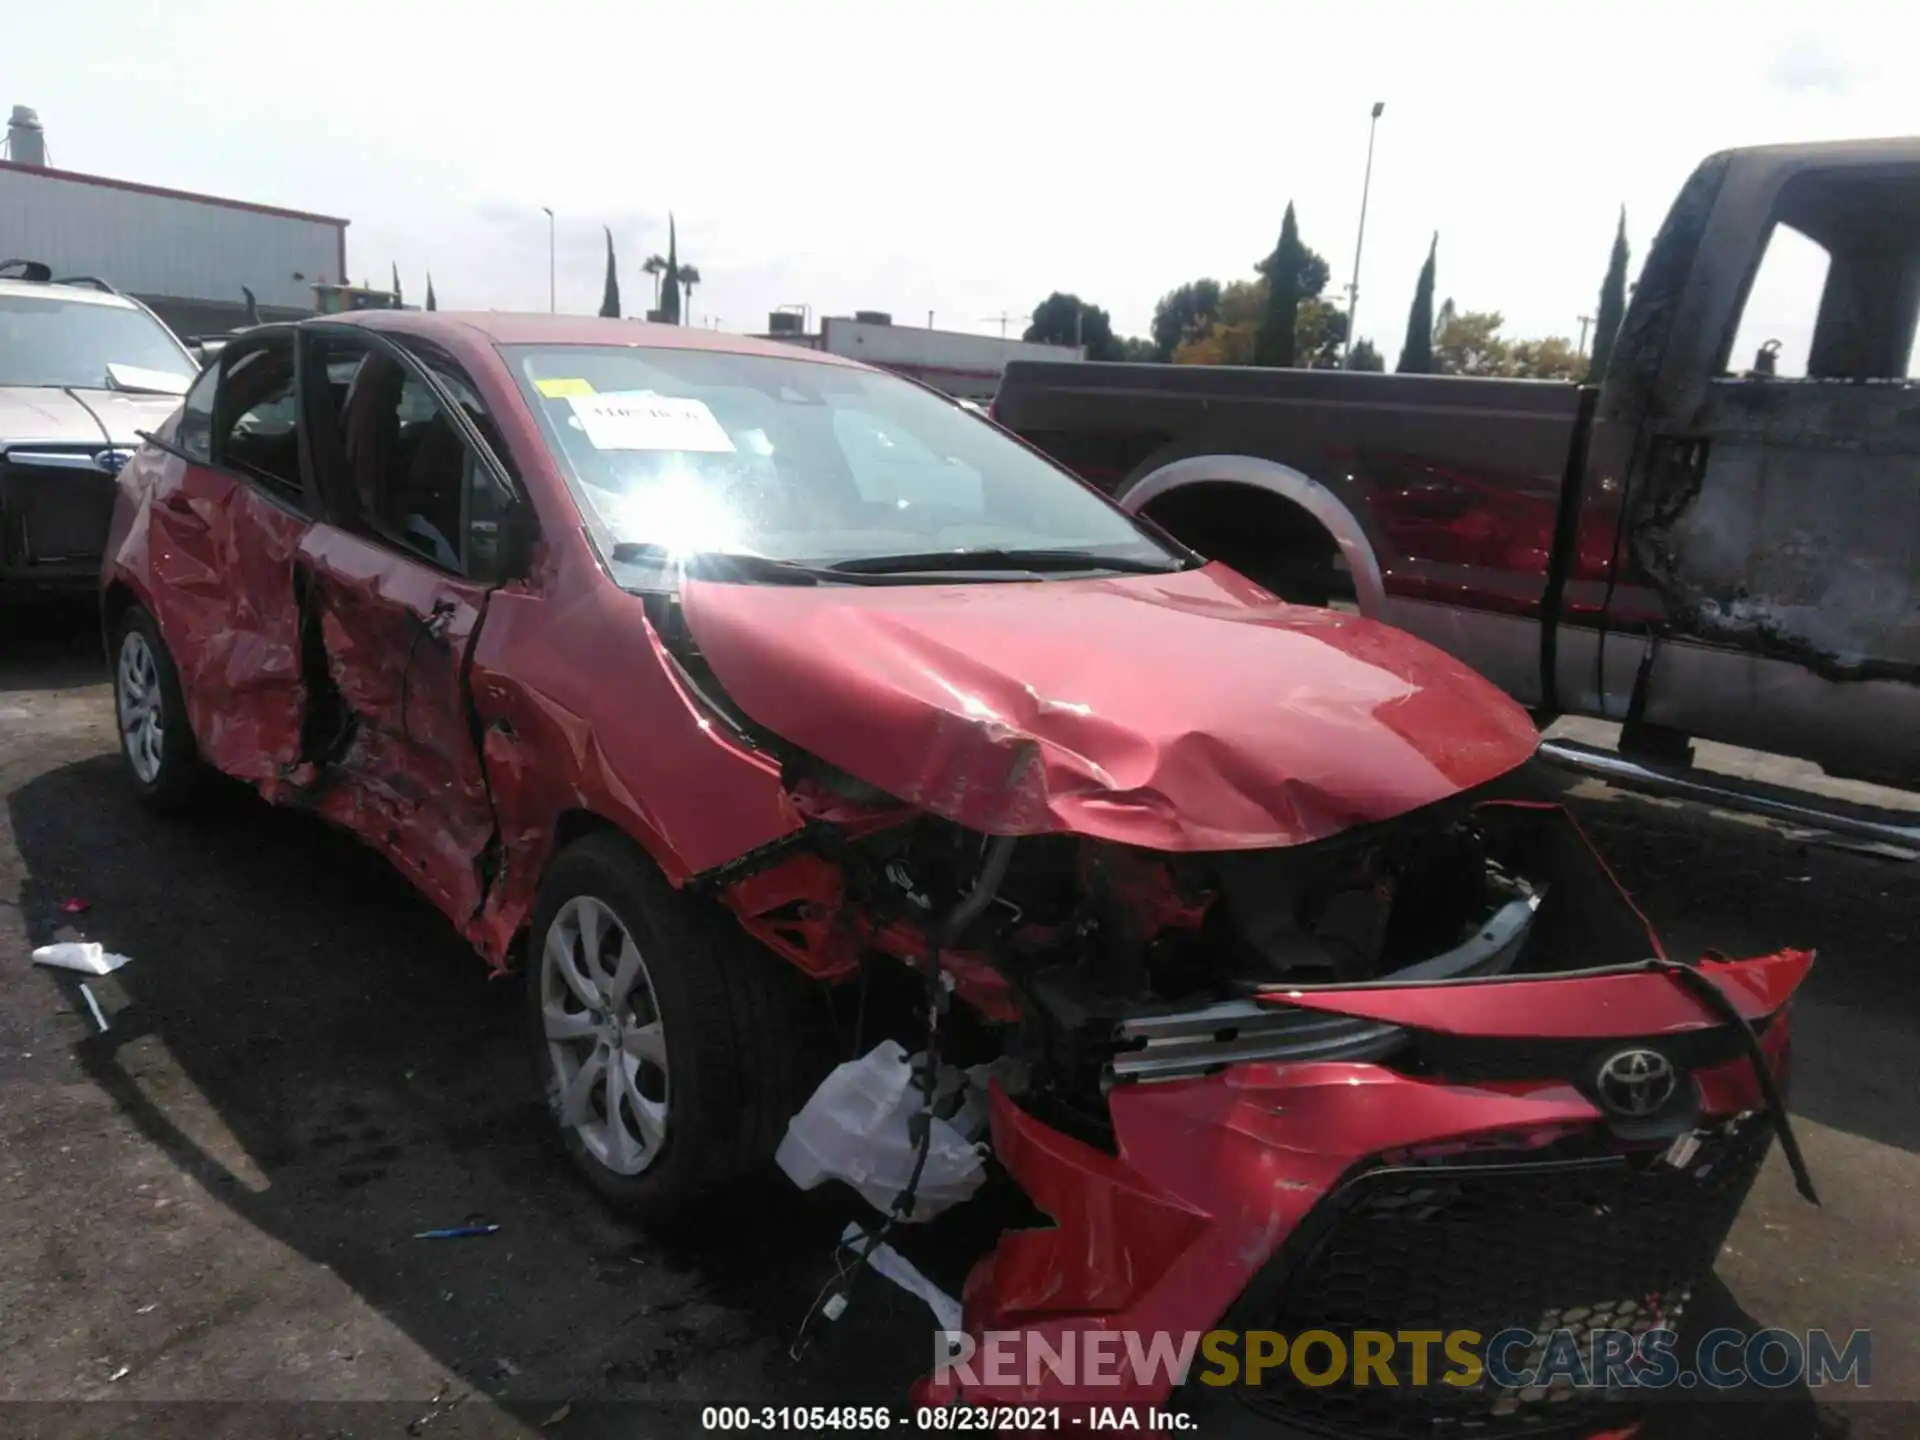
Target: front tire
x=668 y=1045
x=155 y=739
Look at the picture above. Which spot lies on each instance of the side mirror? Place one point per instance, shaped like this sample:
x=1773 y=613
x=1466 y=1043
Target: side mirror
x=199 y=353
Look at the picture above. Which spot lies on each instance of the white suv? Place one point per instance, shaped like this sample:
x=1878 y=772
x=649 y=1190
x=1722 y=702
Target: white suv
x=83 y=371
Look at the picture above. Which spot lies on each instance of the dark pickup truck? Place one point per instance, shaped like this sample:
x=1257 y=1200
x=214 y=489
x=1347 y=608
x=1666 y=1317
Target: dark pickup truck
x=1712 y=542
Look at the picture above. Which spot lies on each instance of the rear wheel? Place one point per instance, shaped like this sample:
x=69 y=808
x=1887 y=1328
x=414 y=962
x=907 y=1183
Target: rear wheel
x=155 y=739
x=669 y=1046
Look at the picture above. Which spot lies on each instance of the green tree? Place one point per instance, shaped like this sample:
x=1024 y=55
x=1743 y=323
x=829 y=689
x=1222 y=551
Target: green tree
x=689 y=277
x=1468 y=343
x=1275 y=345
x=670 y=278
x=1364 y=357
x=1416 y=352
x=656 y=266
x=396 y=286
x=610 y=292
x=1138 y=351
x=1613 y=302
x=1553 y=358
x=1064 y=319
x=1319 y=330
x=1182 y=314
x=432 y=304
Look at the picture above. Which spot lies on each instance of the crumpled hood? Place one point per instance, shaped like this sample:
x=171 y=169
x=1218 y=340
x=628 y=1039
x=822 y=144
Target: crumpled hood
x=1178 y=712
x=35 y=415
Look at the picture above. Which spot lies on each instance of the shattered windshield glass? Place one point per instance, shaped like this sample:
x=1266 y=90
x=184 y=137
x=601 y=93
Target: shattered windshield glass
x=685 y=452
x=51 y=340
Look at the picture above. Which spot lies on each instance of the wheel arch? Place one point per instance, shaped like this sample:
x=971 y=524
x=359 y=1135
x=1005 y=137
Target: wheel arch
x=1310 y=497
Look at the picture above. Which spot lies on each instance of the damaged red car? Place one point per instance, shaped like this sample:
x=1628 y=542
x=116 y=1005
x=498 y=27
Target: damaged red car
x=713 y=683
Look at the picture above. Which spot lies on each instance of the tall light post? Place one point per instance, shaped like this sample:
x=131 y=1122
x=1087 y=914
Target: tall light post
x=1366 y=185
x=550 y=289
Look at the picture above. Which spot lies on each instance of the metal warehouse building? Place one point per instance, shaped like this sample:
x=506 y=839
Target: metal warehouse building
x=187 y=256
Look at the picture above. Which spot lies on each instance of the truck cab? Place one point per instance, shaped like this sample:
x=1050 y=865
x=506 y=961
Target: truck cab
x=1719 y=540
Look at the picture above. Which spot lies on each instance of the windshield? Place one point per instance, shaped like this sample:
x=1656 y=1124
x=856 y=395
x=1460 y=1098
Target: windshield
x=683 y=452
x=51 y=340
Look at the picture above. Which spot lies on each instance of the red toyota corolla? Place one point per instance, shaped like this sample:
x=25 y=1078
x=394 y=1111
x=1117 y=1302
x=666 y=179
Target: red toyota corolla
x=706 y=680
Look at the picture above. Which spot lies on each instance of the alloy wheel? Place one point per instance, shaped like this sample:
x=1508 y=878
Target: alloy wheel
x=142 y=716
x=605 y=1043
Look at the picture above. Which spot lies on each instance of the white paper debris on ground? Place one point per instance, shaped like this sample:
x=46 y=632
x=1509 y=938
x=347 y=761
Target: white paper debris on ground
x=86 y=956
x=857 y=1128
x=897 y=1268
x=636 y=420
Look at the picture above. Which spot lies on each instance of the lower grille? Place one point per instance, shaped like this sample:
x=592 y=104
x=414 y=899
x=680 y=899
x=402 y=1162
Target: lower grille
x=54 y=514
x=1576 y=1242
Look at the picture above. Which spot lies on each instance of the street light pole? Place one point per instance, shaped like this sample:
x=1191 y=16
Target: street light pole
x=550 y=289
x=1366 y=186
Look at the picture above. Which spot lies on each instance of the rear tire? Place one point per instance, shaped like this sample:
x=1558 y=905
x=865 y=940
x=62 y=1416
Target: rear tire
x=640 y=996
x=156 y=742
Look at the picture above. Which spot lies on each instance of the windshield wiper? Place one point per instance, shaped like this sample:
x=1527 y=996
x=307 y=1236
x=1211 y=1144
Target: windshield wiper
x=1042 y=562
x=727 y=565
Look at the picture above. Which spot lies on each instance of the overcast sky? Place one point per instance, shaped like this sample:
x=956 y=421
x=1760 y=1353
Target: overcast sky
x=959 y=159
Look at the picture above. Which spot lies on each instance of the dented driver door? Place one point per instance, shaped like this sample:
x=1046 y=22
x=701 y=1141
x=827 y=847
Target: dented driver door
x=396 y=586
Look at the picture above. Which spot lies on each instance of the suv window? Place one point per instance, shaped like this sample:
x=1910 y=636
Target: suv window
x=256 y=417
x=59 y=340
x=412 y=479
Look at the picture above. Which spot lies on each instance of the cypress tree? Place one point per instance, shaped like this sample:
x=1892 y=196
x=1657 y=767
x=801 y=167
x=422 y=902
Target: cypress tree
x=670 y=283
x=1416 y=355
x=1613 y=303
x=430 y=301
x=610 y=295
x=396 y=287
x=1274 y=345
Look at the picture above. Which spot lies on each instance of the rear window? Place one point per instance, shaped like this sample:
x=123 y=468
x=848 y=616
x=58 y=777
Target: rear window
x=702 y=450
x=51 y=340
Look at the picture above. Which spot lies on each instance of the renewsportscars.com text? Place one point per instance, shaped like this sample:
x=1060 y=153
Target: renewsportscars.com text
x=1509 y=1359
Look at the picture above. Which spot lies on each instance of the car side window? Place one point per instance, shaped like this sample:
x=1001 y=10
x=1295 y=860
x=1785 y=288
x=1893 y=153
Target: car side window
x=487 y=498
x=256 y=418
x=414 y=481
x=194 y=434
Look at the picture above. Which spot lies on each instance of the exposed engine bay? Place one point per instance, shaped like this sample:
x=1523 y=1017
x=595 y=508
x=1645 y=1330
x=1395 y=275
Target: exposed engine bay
x=1098 y=964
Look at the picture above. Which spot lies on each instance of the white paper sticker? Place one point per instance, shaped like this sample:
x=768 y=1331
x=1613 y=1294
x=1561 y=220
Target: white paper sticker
x=638 y=420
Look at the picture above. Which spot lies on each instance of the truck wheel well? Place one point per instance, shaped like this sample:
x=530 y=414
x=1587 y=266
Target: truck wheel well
x=1269 y=539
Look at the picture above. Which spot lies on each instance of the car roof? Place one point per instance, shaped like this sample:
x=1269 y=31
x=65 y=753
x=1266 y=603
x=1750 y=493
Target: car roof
x=84 y=294
x=505 y=328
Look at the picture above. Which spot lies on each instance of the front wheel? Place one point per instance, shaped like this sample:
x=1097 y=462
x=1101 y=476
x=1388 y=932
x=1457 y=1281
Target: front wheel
x=669 y=1046
x=155 y=739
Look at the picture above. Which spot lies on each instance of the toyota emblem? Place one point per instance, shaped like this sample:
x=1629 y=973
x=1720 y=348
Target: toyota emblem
x=1636 y=1083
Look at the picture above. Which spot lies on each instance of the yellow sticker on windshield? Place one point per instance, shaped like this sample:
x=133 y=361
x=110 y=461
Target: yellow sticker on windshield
x=561 y=389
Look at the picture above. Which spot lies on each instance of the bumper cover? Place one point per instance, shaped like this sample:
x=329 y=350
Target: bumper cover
x=1331 y=1195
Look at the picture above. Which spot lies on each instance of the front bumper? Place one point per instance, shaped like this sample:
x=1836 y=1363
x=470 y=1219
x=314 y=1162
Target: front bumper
x=55 y=508
x=1347 y=1198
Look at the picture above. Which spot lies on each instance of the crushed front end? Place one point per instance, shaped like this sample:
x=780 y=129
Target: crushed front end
x=1303 y=1013
x=1432 y=1076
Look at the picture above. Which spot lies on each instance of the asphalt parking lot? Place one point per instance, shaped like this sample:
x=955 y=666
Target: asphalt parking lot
x=207 y=1213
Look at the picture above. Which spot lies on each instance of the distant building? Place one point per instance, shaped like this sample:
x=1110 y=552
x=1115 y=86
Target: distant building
x=187 y=256
x=965 y=366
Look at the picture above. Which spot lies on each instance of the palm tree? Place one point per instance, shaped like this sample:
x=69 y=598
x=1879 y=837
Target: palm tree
x=656 y=266
x=689 y=277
